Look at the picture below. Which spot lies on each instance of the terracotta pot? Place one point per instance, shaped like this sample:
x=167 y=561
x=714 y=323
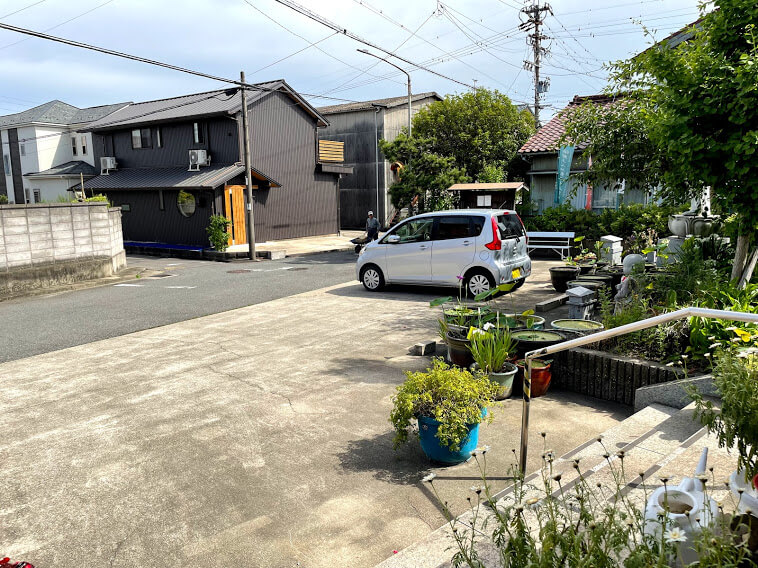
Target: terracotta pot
x=541 y=376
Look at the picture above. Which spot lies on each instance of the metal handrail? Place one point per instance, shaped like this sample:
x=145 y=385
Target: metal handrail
x=607 y=334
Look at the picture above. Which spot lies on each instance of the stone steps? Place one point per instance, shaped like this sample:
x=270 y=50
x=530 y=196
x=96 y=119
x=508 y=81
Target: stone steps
x=656 y=441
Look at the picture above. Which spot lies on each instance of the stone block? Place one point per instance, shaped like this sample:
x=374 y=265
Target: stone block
x=16 y=229
x=424 y=348
x=17 y=240
x=18 y=258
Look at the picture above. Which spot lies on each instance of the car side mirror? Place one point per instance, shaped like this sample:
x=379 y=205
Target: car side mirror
x=393 y=239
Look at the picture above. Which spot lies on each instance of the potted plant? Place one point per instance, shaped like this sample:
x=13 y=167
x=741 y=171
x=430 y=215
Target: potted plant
x=541 y=375
x=448 y=404
x=560 y=275
x=491 y=347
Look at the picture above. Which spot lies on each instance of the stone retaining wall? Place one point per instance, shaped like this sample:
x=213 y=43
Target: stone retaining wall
x=51 y=243
x=607 y=376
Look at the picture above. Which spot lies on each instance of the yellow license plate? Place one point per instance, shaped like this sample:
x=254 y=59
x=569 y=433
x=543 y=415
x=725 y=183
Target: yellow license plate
x=516 y=273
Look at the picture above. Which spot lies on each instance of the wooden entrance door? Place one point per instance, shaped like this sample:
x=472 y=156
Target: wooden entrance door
x=234 y=199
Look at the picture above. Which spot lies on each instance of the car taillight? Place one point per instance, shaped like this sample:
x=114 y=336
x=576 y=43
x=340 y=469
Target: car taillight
x=523 y=228
x=495 y=244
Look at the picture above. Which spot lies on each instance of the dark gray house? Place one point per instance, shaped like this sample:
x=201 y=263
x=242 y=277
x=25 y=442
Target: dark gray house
x=172 y=163
x=360 y=126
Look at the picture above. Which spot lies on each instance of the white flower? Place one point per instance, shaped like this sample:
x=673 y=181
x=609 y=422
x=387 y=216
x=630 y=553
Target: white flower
x=477 y=331
x=675 y=534
x=714 y=346
x=488 y=326
x=670 y=364
x=429 y=478
x=707 y=355
x=685 y=357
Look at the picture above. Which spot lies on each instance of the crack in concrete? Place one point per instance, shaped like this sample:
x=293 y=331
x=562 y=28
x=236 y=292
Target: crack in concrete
x=253 y=386
x=421 y=518
x=119 y=544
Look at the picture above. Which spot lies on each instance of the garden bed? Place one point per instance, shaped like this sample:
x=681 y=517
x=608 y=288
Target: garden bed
x=608 y=376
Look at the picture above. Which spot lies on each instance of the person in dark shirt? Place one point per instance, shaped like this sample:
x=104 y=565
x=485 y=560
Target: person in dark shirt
x=372 y=227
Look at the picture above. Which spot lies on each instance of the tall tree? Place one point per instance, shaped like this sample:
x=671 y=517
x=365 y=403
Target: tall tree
x=474 y=135
x=696 y=103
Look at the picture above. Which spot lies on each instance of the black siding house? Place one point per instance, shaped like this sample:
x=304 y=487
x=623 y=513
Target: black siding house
x=165 y=200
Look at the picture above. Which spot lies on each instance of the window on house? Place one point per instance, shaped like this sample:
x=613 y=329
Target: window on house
x=484 y=201
x=197 y=130
x=73 y=145
x=142 y=138
x=83 y=140
x=22 y=149
x=158 y=138
x=37 y=195
x=7 y=164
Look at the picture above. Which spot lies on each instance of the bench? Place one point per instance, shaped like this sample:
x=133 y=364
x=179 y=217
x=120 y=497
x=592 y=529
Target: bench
x=560 y=243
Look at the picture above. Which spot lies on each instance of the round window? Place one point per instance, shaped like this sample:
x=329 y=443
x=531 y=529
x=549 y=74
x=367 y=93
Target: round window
x=186 y=203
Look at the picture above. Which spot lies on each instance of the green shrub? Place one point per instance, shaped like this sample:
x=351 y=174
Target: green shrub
x=452 y=396
x=97 y=198
x=3 y=199
x=218 y=232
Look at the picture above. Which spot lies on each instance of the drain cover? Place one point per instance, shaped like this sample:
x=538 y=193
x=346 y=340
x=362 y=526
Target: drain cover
x=238 y=271
x=163 y=275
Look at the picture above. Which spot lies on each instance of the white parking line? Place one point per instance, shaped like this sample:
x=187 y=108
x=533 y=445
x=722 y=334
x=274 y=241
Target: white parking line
x=180 y=287
x=131 y=285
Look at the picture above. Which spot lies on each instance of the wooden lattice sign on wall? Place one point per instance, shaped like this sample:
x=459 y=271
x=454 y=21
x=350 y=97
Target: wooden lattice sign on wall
x=331 y=151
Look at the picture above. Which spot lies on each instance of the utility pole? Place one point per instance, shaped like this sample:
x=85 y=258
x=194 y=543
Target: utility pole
x=534 y=20
x=250 y=222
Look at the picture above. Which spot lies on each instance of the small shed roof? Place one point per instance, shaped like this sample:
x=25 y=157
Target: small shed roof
x=368 y=105
x=69 y=169
x=488 y=186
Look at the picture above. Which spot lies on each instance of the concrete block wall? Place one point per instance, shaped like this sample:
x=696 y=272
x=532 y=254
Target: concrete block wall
x=52 y=233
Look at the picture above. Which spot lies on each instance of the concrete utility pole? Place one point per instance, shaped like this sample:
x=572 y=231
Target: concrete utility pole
x=250 y=222
x=410 y=96
x=534 y=20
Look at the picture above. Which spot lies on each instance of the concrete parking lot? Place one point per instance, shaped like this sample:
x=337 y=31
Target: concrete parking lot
x=254 y=437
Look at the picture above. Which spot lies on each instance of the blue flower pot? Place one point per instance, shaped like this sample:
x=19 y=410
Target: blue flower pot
x=435 y=451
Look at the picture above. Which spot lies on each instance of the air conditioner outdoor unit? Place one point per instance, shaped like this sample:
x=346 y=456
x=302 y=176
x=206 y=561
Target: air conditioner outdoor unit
x=107 y=163
x=198 y=158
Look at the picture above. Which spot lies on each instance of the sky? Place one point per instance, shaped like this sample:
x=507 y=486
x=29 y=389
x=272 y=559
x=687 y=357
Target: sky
x=475 y=42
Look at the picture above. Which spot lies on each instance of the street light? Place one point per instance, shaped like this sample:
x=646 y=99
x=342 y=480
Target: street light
x=367 y=52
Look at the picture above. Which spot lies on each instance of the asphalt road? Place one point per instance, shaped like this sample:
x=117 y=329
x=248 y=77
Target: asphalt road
x=182 y=290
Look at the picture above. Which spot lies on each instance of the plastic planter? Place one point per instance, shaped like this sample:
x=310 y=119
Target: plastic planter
x=435 y=451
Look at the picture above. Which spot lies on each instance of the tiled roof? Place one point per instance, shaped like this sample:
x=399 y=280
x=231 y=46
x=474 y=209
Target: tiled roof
x=74 y=169
x=194 y=105
x=546 y=138
x=177 y=177
x=58 y=112
x=368 y=105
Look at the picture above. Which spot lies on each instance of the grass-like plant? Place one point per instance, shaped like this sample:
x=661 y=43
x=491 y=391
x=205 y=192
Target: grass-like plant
x=452 y=396
x=571 y=521
x=491 y=347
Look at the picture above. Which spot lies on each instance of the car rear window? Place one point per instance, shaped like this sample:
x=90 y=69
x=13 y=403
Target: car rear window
x=509 y=226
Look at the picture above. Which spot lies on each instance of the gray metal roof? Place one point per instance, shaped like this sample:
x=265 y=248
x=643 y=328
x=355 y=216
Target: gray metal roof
x=73 y=169
x=58 y=112
x=178 y=177
x=368 y=105
x=196 y=105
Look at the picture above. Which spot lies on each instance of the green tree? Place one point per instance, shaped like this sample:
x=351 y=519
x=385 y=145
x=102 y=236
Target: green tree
x=471 y=136
x=424 y=173
x=689 y=118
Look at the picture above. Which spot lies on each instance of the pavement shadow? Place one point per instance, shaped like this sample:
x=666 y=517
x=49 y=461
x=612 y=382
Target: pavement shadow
x=322 y=258
x=396 y=292
x=375 y=455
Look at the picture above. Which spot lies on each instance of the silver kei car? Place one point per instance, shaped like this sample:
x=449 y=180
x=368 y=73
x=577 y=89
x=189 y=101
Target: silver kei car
x=475 y=248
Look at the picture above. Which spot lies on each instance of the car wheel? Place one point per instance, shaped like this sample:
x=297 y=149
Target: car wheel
x=478 y=282
x=372 y=278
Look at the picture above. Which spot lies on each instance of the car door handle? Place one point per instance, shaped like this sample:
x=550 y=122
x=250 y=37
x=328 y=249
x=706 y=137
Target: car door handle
x=422 y=247
x=466 y=243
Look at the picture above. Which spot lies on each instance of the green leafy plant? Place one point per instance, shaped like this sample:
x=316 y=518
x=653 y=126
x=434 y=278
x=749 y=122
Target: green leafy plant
x=97 y=199
x=736 y=424
x=3 y=199
x=218 y=232
x=491 y=347
x=452 y=396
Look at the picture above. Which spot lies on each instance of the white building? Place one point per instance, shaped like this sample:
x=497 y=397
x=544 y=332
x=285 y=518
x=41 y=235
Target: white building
x=44 y=153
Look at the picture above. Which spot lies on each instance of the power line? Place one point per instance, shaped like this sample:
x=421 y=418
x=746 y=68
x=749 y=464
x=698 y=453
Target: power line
x=139 y=59
x=324 y=22
x=293 y=54
x=310 y=43
x=22 y=9
x=65 y=22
